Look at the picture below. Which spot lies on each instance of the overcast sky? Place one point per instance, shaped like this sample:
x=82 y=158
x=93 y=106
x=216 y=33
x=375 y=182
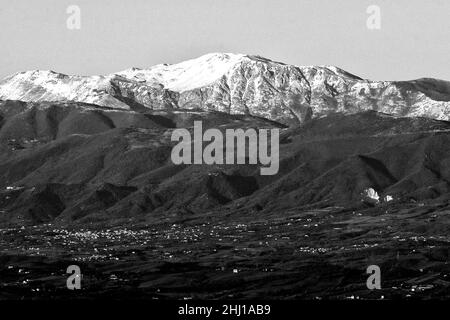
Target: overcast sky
x=413 y=42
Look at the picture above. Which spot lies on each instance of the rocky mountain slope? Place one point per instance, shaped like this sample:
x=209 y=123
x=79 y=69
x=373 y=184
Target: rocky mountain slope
x=77 y=163
x=236 y=84
x=77 y=149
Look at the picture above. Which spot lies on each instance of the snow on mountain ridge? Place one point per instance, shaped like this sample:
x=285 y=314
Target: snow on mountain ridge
x=39 y=85
x=236 y=83
x=187 y=75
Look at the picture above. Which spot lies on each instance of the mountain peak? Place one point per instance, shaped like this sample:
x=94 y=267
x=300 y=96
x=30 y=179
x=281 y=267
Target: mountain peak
x=189 y=74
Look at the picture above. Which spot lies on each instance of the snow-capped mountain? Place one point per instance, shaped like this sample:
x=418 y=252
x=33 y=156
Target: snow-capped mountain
x=236 y=83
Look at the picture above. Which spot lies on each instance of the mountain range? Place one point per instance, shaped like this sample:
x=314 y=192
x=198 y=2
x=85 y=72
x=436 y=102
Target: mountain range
x=236 y=84
x=97 y=148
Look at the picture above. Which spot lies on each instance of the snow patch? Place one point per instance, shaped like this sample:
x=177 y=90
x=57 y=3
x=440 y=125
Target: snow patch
x=187 y=75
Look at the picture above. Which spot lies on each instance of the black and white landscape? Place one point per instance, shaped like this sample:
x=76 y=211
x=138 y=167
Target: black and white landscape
x=86 y=179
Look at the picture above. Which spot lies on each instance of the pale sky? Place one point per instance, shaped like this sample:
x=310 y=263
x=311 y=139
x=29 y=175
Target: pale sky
x=413 y=42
